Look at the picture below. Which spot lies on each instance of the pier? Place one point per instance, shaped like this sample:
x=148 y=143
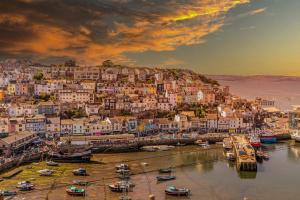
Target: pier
x=245 y=154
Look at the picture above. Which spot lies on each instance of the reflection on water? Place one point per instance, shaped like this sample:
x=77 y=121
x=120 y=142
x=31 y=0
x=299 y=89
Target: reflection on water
x=205 y=171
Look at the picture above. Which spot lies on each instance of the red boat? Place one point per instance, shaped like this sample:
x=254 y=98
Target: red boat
x=255 y=141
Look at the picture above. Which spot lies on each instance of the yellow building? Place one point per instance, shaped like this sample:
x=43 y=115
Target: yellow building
x=11 y=88
x=2 y=95
x=179 y=99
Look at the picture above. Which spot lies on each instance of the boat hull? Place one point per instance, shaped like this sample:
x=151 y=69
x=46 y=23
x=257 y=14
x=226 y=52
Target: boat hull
x=75 y=157
x=268 y=140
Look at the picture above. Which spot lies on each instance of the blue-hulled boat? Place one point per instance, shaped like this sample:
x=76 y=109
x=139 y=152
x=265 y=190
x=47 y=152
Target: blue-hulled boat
x=268 y=138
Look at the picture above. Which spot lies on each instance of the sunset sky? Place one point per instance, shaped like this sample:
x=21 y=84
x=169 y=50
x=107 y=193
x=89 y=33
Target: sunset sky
x=209 y=36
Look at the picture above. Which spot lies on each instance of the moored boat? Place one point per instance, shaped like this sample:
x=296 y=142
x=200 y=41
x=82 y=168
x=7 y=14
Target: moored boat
x=74 y=191
x=172 y=190
x=268 y=137
x=119 y=187
x=81 y=156
x=45 y=172
x=254 y=141
x=123 y=197
x=123 y=171
x=165 y=178
x=165 y=170
x=52 y=163
x=296 y=136
x=80 y=172
x=8 y=193
x=25 y=186
x=230 y=156
x=227 y=144
x=122 y=166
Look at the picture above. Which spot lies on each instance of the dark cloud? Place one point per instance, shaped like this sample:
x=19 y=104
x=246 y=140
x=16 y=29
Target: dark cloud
x=93 y=30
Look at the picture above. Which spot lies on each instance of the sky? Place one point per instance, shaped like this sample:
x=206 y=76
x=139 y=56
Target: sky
x=238 y=37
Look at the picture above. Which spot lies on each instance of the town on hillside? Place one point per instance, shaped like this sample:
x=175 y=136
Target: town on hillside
x=53 y=102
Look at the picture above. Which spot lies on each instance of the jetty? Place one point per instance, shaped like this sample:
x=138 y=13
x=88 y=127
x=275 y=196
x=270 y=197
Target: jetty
x=245 y=154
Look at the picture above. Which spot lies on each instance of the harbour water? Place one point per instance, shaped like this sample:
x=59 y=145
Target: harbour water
x=204 y=171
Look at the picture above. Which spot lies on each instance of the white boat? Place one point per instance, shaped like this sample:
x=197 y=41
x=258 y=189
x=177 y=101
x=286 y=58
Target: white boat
x=202 y=144
x=296 y=136
x=227 y=143
x=45 y=172
x=230 y=156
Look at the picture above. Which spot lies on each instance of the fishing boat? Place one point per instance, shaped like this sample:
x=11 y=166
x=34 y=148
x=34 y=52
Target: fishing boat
x=52 y=163
x=227 y=144
x=74 y=191
x=124 y=197
x=180 y=144
x=204 y=145
x=296 y=136
x=123 y=171
x=165 y=170
x=126 y=182
x=124 y=176
x=254 y=141
x=172 y=190
x=262 y=155
x=45 y=172
x=268 y=137
x=28 y=183
x=122 y=166
x=81 y=182
x=80 y=156
x=80 y=172
x=116 y=187
x=7 y=193
x=230 y=156
x=25 y=187
x=165 y=178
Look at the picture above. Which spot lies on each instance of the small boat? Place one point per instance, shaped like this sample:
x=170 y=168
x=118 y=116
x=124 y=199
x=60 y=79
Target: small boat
x=74 y=191
x=116 y=187
x=165 y=170
x=45 y=172
x=230 y=156
x=122 y=166
x=254 y=141
x=130 y=184
x=80 y=172
x=172 y=190
x=296 y=136
x=124 y=197
x=25 y=187
x=227 y=144
x=7 y=193
x=124 y=176
x=123 y=171
x=52 y=163
x=268 y=137
x=80 y=182
x=165 y=178
x=81 y=156
x=25 y=183
x=180 y=144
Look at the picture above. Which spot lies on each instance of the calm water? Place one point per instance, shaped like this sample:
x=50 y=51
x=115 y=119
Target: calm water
x=205 y=172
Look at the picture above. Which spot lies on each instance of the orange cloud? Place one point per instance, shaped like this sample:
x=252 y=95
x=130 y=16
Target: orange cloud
x=110 y=34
